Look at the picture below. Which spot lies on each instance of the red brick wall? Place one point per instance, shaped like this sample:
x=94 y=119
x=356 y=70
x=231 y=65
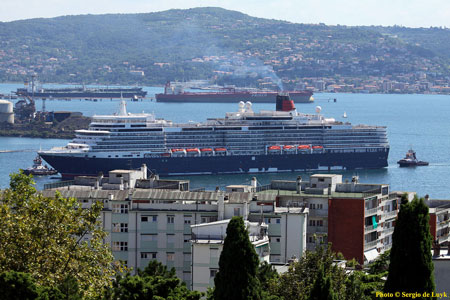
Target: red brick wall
x=433 y=225
x=346 y=227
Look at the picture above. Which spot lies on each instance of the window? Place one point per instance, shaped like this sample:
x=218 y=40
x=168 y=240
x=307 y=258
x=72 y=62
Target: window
x=187 y=220
x=187 y=238
x=277 y=240
x=310 y=239
x=120 y=227
x=170 y=219
x=120 y=208
x=320 y=206
x=148 y=255
x=312 y=206
x=170 y=256
x=267 y=220
x=170 y=238
x=278 y=221
x=312 y=222
x=213 y=272
x=149 y=219
x=214 y=252
x=319 y=222
x=120 y=246
x=186 y=276
x=149 y=237
x=208 y=219
x=237 y=211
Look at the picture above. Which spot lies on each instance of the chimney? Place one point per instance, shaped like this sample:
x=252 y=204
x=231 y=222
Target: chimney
x=221 y=207
x=254 y=184
x=299 y=184
x=144 y=171
x=284 y=102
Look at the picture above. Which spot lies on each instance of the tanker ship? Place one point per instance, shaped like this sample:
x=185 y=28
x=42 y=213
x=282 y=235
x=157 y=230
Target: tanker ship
x=176 y=94
x=242 y=142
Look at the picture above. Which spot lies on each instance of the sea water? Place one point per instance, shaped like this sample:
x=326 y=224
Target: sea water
x=418 y=121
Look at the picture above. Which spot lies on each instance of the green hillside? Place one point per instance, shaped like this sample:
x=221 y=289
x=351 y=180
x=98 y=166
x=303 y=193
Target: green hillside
x=205 y=43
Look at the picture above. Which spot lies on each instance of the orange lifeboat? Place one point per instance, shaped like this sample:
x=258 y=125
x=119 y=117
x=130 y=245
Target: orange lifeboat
x=177 y=150
x=274 y=148
x=206 y=151
x=317 y=149
x=220 y=151
x=192 y=152
x=301 y=147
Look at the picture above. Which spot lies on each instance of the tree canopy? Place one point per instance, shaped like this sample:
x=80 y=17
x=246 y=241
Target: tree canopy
x=154 y=282
x=53 y=239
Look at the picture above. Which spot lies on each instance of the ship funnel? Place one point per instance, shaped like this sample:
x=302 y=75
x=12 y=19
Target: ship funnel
x=284 y=102
x=123 y=108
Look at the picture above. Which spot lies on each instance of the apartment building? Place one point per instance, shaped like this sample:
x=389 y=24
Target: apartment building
x=207 y=245
x=155 y=222
x=439 y=221
x=358 y=219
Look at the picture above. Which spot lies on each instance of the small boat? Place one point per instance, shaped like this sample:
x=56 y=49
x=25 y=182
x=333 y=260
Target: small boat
x=274 y=149
x=410 y=160
x=289 y=149
x=39 y=168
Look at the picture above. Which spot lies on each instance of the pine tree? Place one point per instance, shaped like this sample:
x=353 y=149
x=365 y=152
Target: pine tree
x=238 y=264
x=411 y=266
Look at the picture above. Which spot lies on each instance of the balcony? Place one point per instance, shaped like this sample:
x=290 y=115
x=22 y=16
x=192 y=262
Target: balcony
x=391 y=214
x=388 y=230
x=370 y=245
x=371 y=211
x=369 y=228
x=443 y=224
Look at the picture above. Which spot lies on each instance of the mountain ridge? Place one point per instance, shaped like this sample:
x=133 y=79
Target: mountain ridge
x=211 y=43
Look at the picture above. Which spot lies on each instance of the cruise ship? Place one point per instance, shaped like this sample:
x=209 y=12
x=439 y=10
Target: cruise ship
x=242 y=142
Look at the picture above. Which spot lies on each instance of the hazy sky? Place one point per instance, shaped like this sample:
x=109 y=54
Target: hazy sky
x=411 y=13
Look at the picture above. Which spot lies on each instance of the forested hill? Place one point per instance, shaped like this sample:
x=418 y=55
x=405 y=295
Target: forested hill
x=204 y=43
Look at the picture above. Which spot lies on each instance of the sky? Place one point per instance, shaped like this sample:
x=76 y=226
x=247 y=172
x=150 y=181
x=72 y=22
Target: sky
x=409 y=13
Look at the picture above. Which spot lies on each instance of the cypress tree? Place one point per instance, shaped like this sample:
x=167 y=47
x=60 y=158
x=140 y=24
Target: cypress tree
x=322 y=289
x=238 y=264
x=411 y=266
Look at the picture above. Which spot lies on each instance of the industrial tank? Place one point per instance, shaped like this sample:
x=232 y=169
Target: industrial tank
x=6 y=112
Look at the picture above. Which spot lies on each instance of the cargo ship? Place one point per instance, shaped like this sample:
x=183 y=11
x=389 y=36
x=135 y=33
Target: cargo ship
x=83 y=92
x=242 y=142
x=177 y=94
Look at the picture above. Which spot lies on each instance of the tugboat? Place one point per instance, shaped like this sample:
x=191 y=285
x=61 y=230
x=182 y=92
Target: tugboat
x=39 y=168
x=411 y=160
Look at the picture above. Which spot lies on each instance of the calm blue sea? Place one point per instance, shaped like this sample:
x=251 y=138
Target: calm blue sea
x=418 y=121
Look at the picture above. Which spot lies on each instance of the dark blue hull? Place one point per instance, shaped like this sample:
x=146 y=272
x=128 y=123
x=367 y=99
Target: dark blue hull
x=73 y=166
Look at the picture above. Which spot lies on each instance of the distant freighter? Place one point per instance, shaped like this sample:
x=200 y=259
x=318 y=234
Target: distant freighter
x=81 y=93
x=228 y=95
x=243 y=142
